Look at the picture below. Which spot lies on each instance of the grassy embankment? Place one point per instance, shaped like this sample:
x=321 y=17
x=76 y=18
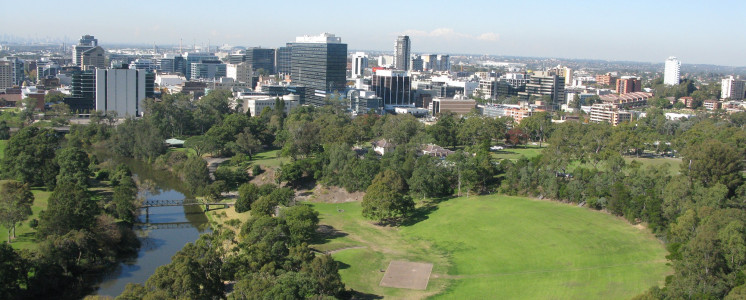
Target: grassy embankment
x=266 y=160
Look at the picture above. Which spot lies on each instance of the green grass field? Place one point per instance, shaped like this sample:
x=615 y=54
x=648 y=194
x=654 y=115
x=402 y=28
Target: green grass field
x=501 y=247
x=674 y=163
x=269 y=159
x=516 y=153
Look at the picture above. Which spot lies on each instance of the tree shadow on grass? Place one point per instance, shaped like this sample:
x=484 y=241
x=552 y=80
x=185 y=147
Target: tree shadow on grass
x=423 y=212
x=353 y=294
x=326 y=233
x=342 y=265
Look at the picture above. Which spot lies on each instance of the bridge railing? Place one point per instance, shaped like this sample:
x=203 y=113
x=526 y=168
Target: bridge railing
x=169 y=202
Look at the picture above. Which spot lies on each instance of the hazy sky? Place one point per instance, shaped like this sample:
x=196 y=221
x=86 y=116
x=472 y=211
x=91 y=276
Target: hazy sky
x=695 y=31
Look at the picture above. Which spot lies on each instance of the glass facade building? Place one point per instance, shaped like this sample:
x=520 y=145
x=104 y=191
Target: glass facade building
x=319 y=64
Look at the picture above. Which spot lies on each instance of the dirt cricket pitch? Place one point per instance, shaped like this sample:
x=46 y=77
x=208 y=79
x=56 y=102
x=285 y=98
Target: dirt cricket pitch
x=407 y=275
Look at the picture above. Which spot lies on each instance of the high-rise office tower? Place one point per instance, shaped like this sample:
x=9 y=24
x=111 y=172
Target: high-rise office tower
x=444 y=62
x=83 y=92
x=671 y=72
x=320 y=64
x=282 y=60
x=86 y=42
x=193 y=58
x=93 y=58
x=732 y=89
x=207 y=69
x=46 y=69
x=359 y=63
x=552 y=86
x=416 y=63
x=393 y=86
x=261 y=58
x=401 y=53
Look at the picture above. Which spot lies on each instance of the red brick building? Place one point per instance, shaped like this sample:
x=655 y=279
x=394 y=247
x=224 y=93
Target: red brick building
x=628 y=85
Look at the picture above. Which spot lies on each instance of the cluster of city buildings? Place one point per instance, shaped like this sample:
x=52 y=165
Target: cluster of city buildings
x=319 y=69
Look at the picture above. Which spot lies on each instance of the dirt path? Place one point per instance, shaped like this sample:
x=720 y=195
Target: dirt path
x=213 y=163
x=345 y=248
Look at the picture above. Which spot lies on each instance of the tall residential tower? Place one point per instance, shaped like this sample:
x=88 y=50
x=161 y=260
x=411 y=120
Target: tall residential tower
x=671 y=73
x=732 y=89
x=401 y=53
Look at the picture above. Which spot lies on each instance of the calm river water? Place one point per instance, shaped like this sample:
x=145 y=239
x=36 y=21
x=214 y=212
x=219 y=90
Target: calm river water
x=162 y=233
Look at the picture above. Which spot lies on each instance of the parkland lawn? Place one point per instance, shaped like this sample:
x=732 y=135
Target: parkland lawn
x=500 y=247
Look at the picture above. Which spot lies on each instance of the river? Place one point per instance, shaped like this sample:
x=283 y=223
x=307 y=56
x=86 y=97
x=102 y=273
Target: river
x=162 y=233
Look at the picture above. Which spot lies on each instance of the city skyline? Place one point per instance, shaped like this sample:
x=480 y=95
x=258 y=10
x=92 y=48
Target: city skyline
x=652 y=31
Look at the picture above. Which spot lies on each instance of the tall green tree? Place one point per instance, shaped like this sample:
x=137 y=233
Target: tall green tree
x=29 y=156
x=325 y=271
x=70 y=208
x=248 y=193
x=386 y=200
x=247 y=143
x=74 y=165
x=124 y=198
x=713 y=162
x=430 y=178
x=445 y=131
x=15 y=205
x=302 y=221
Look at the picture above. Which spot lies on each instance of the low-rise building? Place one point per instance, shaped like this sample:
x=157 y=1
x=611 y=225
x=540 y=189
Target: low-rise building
x=515 y=111
x=609 y=113
x=606 y=79
x=459 y=107
x=688 y=101
x=383 y=146
x=628 y=84
x=627 y=100
x=436 y=151
x=712 y=104
x=256 y=104
x=163 y=80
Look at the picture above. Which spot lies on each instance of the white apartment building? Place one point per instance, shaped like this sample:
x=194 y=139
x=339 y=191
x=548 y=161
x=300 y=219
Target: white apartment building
x=732 y=88
x=672 y=71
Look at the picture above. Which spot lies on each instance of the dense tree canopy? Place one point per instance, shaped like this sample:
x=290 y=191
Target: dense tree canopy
x=386 y=200
x=29 y=156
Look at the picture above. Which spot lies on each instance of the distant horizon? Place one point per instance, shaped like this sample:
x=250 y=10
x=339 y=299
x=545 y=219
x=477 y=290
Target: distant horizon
x=187 y=49
x=635 y=31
